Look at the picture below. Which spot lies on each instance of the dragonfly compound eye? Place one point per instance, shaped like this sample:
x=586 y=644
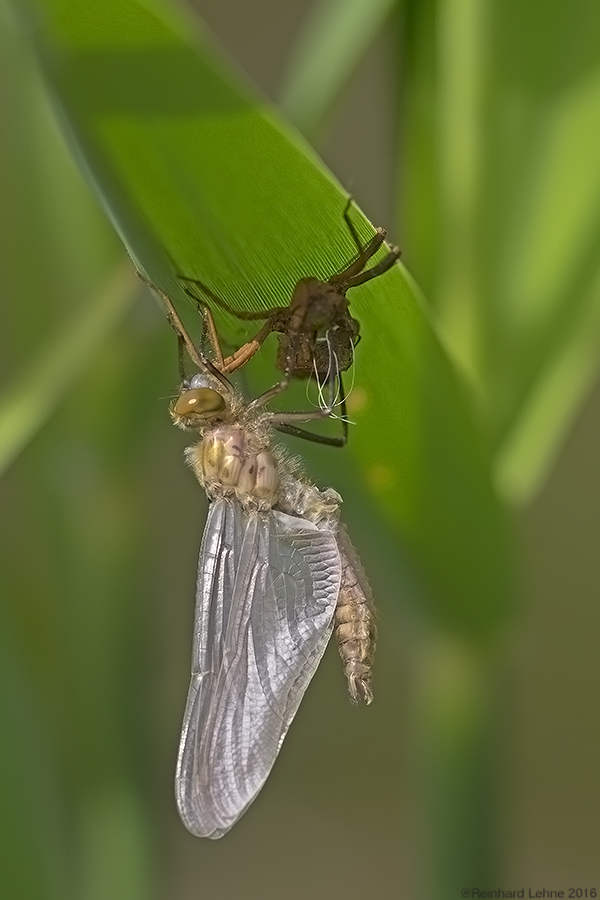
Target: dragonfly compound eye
x=199 y=402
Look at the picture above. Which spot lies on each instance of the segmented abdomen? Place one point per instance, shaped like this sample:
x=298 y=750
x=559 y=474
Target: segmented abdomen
x=354 y=619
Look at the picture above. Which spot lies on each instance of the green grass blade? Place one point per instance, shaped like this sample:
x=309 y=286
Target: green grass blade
x=548 y=282
x=526 y=456
x=503 y=208
x=57 y=535
x=201 y=178
x=28 y=405
x=335 y=36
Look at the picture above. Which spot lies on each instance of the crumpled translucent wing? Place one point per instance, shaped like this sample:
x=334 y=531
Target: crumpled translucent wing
x=268 y=584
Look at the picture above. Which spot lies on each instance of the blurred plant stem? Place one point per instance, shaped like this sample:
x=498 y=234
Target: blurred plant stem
x=455 y=721
x=321 y=64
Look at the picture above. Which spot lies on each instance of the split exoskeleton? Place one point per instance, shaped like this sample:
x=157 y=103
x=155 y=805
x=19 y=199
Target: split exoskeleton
x=316 y=332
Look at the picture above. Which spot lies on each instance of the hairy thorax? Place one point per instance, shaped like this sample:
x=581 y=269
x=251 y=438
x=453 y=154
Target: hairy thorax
x=226 y=464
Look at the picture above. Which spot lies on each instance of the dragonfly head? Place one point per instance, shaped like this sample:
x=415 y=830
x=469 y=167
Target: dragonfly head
x=200 y=402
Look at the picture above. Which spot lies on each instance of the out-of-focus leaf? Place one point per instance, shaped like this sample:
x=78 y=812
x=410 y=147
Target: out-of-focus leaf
x=526 y=456
x=504 y=138
x=68 y=714
x=34 y=850
x=547 y=288
x=36 y=392
x=334 y=39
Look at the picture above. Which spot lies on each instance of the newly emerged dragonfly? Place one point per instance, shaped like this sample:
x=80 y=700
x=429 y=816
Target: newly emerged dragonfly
x=316 y=331
x=277 y=575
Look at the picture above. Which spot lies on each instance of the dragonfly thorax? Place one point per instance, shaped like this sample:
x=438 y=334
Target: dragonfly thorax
x=226 y=464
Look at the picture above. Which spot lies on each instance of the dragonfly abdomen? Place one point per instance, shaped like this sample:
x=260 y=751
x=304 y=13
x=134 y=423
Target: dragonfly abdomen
x=354 y=622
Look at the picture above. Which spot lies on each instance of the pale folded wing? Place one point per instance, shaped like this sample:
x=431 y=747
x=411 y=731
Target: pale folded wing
x=267 y=588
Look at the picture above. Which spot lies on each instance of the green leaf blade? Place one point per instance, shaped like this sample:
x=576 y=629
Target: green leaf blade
x=202 y=179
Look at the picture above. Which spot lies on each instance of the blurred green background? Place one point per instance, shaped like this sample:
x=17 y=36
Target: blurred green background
x=472 y=132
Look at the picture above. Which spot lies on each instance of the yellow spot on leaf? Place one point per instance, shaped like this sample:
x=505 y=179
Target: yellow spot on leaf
x=357 y=400
x=381 y=476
